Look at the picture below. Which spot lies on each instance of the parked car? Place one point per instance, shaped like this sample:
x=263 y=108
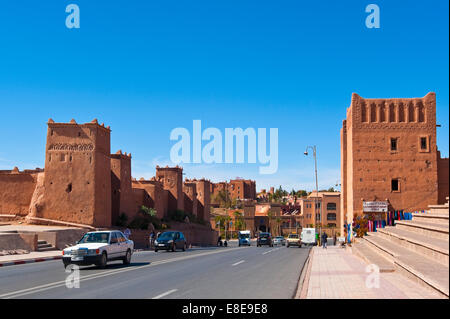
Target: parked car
x=99 y=247
x=264 y=239
x=279 y=240
x=171 y=240
x=293 y=240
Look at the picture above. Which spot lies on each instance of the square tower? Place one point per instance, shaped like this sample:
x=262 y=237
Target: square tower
x=172 y=180
x=78 y=173
x=389 y=154
x=190 y=197
x=121 y=193
x=203 y=187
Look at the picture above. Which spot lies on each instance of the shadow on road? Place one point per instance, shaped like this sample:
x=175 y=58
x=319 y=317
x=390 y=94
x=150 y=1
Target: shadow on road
x=116 y=266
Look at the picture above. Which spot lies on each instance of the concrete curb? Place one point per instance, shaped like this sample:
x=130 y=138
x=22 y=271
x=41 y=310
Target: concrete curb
x=28 y=261
x=302 y=288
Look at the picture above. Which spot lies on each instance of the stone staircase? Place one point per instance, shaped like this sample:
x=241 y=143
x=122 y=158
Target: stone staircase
x=42 y=245
x=417 y=248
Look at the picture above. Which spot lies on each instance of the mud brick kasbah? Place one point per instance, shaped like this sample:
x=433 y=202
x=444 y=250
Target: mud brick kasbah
x=84 y=183
x=389 y=153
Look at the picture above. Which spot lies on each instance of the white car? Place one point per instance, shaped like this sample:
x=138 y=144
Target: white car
x=279 y=240
x=98 y=248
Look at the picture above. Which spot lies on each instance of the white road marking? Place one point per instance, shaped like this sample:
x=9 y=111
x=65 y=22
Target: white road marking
x=165 y=294
x=62 y=283
x=239 y=262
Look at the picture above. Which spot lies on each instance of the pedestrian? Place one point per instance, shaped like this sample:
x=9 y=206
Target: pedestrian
x=334 y=239
x=324 y=240
x=152 y=239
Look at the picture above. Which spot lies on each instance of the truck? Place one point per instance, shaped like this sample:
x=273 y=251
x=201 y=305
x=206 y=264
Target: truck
x=308 y=236
x=244 y=237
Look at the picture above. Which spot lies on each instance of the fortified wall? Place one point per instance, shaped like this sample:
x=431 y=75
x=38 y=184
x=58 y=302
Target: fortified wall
x=84 y=184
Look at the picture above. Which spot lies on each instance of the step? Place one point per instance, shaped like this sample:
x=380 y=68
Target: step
x=422 y=269
x=426 y=228
x=431 y=218
x=438 y=209
x=434 y=248
x=46 y=248
x=44 y=245
x=370 y=256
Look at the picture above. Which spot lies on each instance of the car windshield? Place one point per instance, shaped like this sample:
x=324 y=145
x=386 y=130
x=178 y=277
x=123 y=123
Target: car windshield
x=293 y=236
x=167 y=236
x=264 y=235
x=279 y=237
x=244 y=235
x=94 y=238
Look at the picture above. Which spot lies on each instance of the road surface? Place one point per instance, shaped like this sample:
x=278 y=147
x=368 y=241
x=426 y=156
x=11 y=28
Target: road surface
x=206 y=273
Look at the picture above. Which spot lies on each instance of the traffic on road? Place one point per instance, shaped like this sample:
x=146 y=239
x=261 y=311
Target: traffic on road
x=105 y=259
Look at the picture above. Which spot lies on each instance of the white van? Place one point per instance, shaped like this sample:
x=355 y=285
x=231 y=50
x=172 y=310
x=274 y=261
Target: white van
x=308 y=236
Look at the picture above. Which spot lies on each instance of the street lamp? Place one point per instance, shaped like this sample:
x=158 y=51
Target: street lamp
x=317 y=188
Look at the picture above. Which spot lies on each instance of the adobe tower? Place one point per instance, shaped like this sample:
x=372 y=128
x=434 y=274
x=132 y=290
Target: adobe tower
x=77 y=173
x=203 y=187
x=172 y=180
x=389 y=154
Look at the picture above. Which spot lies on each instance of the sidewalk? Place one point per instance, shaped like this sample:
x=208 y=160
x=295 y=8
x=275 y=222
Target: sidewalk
x=336 y=273
x=32 y=257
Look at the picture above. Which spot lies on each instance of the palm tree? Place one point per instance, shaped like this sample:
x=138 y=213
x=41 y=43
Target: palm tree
x=278 y=221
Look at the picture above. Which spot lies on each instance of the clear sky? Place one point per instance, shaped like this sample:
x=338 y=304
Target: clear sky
x=146 y=67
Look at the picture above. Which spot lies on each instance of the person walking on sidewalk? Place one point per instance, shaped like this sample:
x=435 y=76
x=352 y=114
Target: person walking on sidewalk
x=324 y=240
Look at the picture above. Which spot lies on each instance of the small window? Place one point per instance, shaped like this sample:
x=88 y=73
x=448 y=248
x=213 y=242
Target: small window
x=423 y=143
x=331 y=216
x=331 y=206
x=395 y=185
x=393 y=144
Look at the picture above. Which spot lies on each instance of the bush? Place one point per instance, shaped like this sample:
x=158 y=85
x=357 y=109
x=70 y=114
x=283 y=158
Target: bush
x=144 y=218
x=122 y=220
x=180 y=216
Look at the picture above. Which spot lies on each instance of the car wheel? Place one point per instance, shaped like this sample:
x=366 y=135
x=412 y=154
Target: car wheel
x=127 y=258
x=184 y=247
x=174 y=247
x=103 y=261
x=66 y=264
x=156 y=250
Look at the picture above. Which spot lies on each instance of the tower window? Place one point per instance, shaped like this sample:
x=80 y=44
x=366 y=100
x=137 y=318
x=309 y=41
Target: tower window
x=69 y=188
x=423 y=143
x=393 y=144
x=395 y=185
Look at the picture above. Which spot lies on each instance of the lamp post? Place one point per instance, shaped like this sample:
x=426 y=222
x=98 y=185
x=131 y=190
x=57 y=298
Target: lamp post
x=317 y=188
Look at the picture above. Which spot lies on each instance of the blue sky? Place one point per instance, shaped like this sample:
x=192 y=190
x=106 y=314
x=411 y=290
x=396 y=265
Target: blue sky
x=146 y=67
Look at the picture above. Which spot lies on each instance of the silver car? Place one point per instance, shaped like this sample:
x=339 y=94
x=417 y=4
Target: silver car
x=279 y=240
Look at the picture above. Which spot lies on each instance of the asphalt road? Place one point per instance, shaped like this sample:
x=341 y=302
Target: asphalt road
x=207 y=273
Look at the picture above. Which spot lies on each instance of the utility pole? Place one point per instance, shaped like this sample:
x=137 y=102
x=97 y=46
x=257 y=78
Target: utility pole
x=317 y=190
